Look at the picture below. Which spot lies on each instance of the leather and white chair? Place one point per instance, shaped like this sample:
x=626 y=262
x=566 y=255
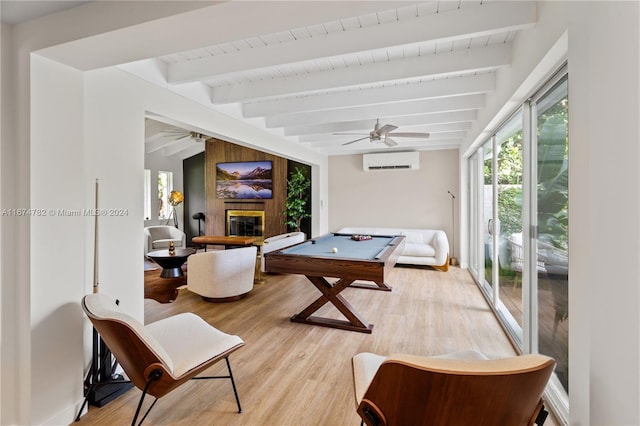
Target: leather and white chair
x=160 y=356
x=158 y=237
x=278 y=242
x=222 y=275
x=464 y=388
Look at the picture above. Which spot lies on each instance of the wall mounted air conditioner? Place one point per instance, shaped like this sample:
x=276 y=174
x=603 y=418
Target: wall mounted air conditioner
x=391 y=161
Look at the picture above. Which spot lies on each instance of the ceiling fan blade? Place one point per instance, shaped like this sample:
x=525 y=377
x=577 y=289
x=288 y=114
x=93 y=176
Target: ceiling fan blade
x=409 y=135
x=348 y=133
x=386 y=129
x=389 y=142
x=175 y=131
x=357 y=140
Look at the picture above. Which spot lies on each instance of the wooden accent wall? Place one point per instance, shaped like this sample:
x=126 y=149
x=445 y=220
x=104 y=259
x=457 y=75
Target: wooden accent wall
x=218 y=151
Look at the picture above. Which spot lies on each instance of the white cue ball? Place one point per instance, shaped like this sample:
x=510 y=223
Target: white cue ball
x=334 y=250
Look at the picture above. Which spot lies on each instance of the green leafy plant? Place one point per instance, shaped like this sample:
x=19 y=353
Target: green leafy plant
x=297 y=199
x=553 y=179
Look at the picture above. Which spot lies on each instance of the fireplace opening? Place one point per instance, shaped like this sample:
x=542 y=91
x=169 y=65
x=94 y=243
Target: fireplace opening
x=245 y=223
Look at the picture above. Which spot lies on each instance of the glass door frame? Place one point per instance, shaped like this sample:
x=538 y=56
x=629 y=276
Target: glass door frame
x=555 y=395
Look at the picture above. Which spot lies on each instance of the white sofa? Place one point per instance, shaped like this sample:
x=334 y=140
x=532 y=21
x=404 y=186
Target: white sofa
x=428 y=247
x=159 y=236
x=278 y=242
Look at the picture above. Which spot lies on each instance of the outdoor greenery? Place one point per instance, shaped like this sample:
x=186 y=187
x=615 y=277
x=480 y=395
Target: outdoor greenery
x=296 y=203
x=553 y=175
x=510 y=185
x=552 y=178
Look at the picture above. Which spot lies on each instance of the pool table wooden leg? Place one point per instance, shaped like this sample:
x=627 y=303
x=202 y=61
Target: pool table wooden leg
x=330 y=293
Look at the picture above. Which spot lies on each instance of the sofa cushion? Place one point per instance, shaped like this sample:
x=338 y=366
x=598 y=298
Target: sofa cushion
x=419 y=250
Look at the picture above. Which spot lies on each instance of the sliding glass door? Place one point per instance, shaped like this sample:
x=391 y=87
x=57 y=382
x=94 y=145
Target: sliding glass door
x=488 y=220
x=519 y=223
x=551 y=115
x=509 y=157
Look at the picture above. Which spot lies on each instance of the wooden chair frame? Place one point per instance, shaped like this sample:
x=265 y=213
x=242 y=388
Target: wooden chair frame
x=438 y=391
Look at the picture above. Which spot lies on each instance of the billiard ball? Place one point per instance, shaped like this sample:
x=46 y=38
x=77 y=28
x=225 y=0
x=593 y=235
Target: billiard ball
x=334 y=250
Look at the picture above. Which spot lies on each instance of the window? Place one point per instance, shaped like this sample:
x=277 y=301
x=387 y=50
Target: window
x=518 y=182
x=165 y=186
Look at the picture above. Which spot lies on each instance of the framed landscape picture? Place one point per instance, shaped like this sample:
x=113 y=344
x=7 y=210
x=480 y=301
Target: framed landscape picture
x=244 y=180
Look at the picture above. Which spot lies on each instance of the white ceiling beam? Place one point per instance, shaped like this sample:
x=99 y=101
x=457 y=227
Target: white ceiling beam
x=456 y=24
x=445 y=64
x=409 y=120
x=150 y=31
x=454 y=103
x=435 y=129
x=471 y=84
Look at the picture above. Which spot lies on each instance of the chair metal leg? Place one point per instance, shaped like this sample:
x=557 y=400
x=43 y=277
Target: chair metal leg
x=230 y=376
x=156 y=374
x=153 y=376
x=233 y=384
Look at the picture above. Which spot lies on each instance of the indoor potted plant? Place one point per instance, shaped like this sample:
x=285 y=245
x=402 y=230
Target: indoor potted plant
x=297 y=199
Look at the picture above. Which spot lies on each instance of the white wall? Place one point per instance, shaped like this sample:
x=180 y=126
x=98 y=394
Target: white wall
x=604 y=207
x=57 y=236
x=394 y=198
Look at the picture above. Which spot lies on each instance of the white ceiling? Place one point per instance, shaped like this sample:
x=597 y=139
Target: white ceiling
x=18 y=11
x=424 y=67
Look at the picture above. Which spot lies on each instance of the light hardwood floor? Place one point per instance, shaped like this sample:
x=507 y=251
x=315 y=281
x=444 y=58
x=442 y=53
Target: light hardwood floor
x=297 y=374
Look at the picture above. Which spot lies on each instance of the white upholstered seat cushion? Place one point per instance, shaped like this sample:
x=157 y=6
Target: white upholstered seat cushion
x=365 y=366
x=190 y=341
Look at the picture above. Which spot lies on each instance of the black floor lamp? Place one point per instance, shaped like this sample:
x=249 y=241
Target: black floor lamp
x=452 y=260
x=199 y=217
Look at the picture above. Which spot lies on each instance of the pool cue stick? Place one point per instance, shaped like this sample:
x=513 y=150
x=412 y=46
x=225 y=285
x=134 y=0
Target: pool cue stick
x=96 y=284
x=93 y=376
x=101 y=370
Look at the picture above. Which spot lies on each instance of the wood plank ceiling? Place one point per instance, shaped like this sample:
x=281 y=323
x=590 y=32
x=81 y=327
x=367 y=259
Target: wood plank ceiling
x=423 y=67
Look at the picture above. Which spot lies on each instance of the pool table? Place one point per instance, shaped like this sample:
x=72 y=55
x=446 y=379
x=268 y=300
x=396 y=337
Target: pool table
x=339 y=256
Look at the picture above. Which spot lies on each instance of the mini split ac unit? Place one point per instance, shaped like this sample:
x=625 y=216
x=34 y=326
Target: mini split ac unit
x=391 y=161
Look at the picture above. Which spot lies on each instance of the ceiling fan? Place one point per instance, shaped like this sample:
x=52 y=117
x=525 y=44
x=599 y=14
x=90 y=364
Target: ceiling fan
x=383 y=134
x=180 y=134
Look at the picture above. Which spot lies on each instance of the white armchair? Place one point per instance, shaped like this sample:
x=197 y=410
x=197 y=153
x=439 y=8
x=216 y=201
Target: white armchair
x=222 y=275
x=158 y=237
x=278 y=242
